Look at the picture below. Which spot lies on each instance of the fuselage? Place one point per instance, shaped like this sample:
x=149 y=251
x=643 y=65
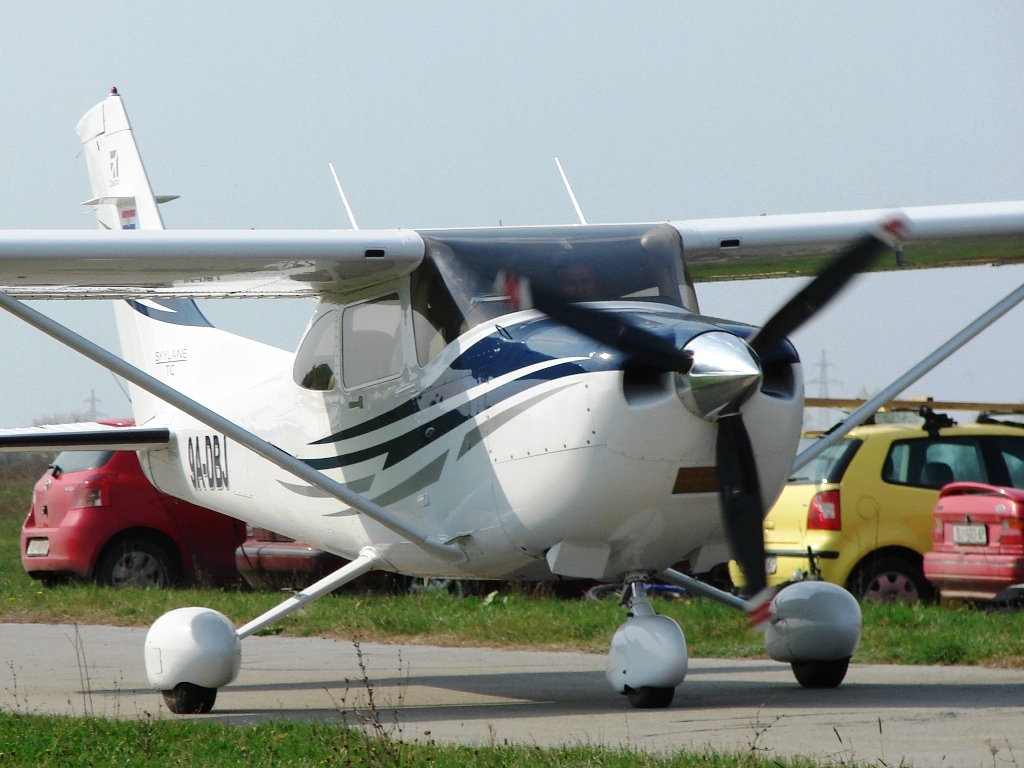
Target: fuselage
x=518 y=437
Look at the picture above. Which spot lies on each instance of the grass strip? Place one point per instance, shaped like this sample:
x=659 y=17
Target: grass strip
x=36 y=740
x=892 y=633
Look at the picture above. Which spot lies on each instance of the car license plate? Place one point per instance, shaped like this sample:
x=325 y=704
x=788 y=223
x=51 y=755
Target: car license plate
x=770 y=564
x=38 y=547
x=970 y=534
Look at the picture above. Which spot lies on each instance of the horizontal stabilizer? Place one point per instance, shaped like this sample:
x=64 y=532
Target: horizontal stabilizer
x=126 y=200
x=87 y=436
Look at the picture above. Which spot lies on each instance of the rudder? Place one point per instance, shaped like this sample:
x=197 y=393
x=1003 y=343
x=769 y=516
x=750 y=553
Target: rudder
x=121 y=190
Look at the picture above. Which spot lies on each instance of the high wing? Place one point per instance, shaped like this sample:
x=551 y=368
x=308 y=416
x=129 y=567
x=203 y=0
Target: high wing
x=147 y=260
x=280 y=263
x=64 y=264
x=82 y=436
x=799 y=244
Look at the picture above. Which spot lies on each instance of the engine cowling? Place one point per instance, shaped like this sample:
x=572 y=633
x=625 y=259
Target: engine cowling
x=813 y=621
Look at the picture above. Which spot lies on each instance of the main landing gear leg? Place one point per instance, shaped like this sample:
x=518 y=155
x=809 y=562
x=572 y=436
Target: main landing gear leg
x=647 y=658
x=191 y=652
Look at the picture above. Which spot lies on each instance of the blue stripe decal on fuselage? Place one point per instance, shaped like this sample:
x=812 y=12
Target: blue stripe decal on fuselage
x=520 y=345
x=487 y=359
x=174 y=311
x=402 y=447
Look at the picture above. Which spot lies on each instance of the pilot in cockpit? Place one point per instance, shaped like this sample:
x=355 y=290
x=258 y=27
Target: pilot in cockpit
x=578 y=282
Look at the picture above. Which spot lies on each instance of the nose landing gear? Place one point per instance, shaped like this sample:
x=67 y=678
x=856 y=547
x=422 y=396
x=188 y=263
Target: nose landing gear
x=647 y=658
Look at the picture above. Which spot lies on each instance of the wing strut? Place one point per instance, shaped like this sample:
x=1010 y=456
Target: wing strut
x=941 y=353
x=368 y=560
x=432 y=544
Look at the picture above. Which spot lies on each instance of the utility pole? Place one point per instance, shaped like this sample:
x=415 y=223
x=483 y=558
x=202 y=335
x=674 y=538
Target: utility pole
x=91 y=401
x=823 y=381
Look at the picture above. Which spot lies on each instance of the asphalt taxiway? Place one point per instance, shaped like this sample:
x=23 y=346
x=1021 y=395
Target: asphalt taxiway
x=917 y=715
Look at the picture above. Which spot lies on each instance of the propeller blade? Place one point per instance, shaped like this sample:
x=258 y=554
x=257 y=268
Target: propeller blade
x=819 y=292
x=613 y=330
x=738 y=484
x=740 y=493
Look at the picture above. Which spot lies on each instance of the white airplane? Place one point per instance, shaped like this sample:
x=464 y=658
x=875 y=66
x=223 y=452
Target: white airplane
x=514 y=403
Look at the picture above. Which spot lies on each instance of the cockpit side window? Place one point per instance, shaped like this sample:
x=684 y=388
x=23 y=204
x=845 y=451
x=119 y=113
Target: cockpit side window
x=371 y=341
x=436 y=318
x=316 y=361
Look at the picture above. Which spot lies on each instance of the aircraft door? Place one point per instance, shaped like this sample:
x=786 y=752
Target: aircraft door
x=372 y=341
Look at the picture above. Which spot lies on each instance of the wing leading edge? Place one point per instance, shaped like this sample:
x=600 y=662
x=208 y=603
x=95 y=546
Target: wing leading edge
x=798 y=244
x=200 y=263
x=43 y=264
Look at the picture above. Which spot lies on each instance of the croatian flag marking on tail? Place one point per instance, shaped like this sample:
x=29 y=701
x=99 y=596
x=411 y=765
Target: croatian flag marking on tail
x=128 y=219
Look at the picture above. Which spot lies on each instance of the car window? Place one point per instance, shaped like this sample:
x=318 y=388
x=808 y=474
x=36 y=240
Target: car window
x=927 y=463
x=1012 y=451
x=76 y=461
x=830 y=466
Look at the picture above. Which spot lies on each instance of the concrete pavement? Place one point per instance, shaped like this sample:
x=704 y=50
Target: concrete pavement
x=921 y=715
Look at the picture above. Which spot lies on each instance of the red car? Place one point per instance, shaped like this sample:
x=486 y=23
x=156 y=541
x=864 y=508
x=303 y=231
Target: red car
x=269 y=560
x=977 y=541
x=95 y=515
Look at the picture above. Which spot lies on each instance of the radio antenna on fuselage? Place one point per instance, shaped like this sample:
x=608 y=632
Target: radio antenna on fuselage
x=348 y=208
x=565 y=180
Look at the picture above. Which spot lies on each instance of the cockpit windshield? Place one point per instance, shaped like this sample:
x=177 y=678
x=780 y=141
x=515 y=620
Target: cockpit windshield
x=472 y=276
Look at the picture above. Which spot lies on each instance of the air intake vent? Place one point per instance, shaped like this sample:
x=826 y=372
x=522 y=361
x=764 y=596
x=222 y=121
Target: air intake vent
x=645 y=385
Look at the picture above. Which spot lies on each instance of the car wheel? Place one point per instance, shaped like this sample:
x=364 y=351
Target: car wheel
x=137 y=562
x=890 y=579
x=49 y=580
x=604 y=591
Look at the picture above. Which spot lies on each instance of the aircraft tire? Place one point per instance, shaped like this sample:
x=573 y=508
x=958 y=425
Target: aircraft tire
x=650 y=698
x=820 y=674
x=190 y=699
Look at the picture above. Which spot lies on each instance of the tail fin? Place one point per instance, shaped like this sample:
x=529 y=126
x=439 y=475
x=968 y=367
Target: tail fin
x=166 y=338
x=120 y=187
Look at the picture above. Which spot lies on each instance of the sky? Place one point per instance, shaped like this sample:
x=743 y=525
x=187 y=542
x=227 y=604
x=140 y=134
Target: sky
x=451 y=114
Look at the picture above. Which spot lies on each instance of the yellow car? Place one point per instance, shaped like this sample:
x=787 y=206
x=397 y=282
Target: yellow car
x=864 y=507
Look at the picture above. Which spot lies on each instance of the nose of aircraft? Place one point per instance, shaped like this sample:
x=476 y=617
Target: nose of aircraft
x=724 y=371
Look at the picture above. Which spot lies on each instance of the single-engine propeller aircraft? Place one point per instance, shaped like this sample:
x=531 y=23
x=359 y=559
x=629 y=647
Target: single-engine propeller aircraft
x=517 y=403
